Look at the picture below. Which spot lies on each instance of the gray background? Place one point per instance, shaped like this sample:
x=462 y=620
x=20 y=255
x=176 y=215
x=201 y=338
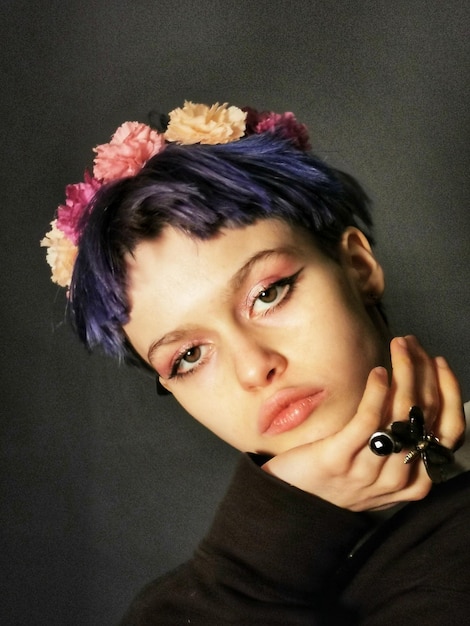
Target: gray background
x=104 y=486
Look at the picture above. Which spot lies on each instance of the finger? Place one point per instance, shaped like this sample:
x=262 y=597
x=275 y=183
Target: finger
x=369 y=416
x=450 y=426
x=414 y=380
x=426 y=385
x=402 y=393
x=416 y=486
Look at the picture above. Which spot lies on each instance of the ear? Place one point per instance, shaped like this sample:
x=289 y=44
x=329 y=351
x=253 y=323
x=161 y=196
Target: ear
x=361 y=266
x=161 y=388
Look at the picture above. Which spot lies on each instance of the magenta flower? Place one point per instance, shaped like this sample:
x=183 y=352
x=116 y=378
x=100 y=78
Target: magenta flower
x=285 y=124
x=77 y=198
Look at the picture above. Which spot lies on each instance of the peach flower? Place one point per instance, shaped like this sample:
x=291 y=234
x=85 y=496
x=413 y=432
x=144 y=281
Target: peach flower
x=61 y=255
x=130 y=147
x=198 y=123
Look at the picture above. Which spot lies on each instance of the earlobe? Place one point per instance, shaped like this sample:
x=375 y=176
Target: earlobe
x=361 y=266
x=161 y=390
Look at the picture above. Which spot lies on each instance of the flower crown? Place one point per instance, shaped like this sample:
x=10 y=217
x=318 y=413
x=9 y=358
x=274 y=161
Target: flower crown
x=134 y=143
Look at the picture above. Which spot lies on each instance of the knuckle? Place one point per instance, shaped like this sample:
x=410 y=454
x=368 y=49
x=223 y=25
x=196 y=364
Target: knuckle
x=402 y=407
x=459 y=441
x=395 y=481
x=420 y=490
x=453 y=439
x=453 y=433
x=400 y=482
x=458 y=433
x=336 y=467
x=430 y=401
x=359 y=476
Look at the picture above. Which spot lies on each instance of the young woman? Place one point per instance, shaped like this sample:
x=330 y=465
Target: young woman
x=238 y=267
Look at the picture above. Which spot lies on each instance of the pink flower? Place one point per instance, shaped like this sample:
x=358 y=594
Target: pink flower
x=130 y=147
x=61 y=255
x=285 y=124
x=77 y=198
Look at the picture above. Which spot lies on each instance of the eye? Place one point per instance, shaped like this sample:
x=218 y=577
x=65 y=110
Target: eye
x=192 y=355
x=273 y=295
x=269 y=295
x=189 y=360
x=269 y=298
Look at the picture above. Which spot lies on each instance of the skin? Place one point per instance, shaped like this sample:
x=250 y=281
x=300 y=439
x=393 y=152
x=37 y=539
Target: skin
x=278 y=349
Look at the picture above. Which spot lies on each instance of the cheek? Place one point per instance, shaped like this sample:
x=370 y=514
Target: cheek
x=208 y=404
x=339 y=337
x=218 y=403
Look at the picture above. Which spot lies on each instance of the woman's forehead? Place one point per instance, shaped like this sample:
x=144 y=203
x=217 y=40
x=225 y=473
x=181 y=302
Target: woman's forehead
x=181 y=255
x=176 y=272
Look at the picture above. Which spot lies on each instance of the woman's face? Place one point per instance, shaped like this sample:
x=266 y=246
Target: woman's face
x=259 y=335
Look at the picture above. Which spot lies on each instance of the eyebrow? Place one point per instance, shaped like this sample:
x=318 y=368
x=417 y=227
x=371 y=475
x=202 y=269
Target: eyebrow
x=235 y=283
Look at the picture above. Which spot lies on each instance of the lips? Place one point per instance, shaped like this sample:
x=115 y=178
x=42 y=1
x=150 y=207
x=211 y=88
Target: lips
x=287 y=409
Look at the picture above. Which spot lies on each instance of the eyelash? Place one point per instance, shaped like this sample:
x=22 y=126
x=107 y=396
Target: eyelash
x=174 y=369
x=288 y=281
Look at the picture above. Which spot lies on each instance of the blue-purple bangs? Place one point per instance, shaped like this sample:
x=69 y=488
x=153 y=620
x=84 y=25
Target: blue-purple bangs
x=200 y=189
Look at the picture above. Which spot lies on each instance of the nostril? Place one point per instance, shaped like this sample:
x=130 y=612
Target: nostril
x=271 y=373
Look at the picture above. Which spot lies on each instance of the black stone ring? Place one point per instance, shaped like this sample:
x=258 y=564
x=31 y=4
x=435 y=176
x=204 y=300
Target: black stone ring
x=383 y=443
x=412 y=436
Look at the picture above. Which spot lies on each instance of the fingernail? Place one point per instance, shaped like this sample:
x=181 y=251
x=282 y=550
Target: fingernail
x=401 y=341
x=441 y=362
x=381 y=373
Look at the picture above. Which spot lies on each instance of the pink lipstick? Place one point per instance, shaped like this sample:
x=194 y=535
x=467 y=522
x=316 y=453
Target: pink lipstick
x=287 y=409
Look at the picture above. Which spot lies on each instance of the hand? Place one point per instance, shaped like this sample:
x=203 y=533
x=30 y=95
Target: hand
x=418 y=379
x=342 y=470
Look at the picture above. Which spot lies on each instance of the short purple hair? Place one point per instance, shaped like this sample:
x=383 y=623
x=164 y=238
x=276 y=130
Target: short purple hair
x=200 y=189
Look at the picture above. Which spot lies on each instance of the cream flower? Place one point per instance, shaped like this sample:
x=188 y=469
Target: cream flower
x=61 y=255
x=130 y=147
x=198 y=123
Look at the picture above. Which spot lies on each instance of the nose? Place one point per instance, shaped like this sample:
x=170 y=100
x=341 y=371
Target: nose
x=256 y=363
